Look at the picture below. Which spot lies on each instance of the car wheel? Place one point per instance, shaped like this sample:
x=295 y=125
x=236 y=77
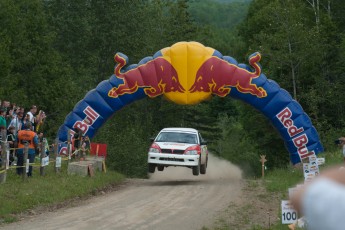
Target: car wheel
x=160 y=167
x=152 y=168
x=203 y=167
x=196 y=169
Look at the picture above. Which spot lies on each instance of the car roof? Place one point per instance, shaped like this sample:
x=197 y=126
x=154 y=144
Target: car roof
x=189 y=130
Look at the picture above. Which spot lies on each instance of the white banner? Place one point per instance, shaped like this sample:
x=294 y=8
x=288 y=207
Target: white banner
x=45 y=161
x=8 y=159
x=58 y=162
x=27 y=165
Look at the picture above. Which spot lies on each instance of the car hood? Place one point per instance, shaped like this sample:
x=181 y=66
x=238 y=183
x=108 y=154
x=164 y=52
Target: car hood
x=174 y=145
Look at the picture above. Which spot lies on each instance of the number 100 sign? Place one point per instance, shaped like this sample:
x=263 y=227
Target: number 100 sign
x=289 y=215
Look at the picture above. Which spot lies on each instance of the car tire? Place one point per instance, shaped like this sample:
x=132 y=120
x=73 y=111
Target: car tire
x=196 y=170
x=203 y=167
x=160 y=167
x=152 y=168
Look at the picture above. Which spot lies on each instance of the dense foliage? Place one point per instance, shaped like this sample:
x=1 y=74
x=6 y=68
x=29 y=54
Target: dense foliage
x=53 y=52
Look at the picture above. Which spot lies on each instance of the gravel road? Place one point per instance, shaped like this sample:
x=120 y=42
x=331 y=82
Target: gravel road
x=172 y=199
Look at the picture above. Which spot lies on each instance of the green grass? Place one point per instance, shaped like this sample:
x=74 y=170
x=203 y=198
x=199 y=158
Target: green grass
x=18 y=195
x=280 y=180
x=277 y=182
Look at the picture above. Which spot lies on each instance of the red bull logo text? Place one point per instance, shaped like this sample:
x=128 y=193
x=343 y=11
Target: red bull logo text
x=156 y=77
x=285 y=118
x=299 y=142
x=91 y=117
x=217 y=75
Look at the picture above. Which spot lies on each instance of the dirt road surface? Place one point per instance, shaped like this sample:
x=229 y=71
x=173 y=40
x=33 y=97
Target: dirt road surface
x=172 y=199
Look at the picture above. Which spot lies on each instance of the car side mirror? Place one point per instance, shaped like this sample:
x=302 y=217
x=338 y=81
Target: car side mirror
x=152 y=139
x=203 y=143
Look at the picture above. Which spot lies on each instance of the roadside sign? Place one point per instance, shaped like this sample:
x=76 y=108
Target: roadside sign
x=7 y=157
x=58 y=162
x=289 y=215
x=27 y=165
x=45 y=161
x=309 y=176
x=320 y=161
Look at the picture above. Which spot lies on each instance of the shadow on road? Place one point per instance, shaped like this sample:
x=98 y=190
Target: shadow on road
x=175 y=182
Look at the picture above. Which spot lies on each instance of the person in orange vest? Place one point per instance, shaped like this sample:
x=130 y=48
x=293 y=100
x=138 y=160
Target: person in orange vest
x=30 y=137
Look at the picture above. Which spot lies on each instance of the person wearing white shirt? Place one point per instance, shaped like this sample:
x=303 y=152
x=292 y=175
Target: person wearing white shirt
x=16 y=122
x=31 y=114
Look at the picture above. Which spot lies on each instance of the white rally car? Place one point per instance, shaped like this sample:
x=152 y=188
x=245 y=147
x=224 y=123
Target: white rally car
x=178 y=147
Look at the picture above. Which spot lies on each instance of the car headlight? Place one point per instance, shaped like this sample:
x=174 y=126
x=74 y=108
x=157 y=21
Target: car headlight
x=191 y=152
x=153 y=150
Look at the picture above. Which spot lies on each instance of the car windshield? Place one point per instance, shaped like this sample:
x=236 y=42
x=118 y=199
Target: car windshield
x=189 y=138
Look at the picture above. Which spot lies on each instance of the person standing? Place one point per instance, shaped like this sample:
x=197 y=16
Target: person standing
x=10 y=140
x=2 y=127
x=30 y=137
x=2 y=118
x=16 y=122
x=40 y=120
x=41 y=139
x=3 y=124
x=341 y=143
x=16 y=110
x=32 y=117
x=77 y=142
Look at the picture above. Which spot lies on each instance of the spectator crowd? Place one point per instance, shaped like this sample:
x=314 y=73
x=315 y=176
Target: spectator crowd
x=20 y=127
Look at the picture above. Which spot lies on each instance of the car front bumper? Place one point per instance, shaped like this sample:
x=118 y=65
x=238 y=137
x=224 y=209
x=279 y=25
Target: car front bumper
x=173 y=159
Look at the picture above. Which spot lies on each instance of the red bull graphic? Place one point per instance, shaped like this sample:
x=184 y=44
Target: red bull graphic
x=217 y=75
x=156 y=77
x=91 y=117
x=299 y=141
x=188 y=73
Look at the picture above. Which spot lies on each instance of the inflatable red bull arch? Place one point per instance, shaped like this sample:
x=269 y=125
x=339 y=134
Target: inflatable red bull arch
x=188 y=73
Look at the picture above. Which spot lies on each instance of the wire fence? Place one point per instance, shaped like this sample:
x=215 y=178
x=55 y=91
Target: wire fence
x=47 y=155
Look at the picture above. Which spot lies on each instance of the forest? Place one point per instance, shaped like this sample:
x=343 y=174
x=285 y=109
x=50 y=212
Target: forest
x=53 y=52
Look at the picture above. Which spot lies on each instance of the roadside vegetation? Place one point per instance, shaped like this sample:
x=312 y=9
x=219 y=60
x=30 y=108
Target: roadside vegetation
x=46 y=193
